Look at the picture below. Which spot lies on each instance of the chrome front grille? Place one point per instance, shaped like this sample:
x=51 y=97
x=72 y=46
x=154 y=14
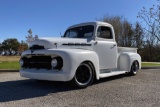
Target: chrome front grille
x=38 y=62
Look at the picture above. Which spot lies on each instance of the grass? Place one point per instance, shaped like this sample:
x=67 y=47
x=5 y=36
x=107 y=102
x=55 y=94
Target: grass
x=150 y=64
x=9 y=62
x=14 y=65
x=12 y=62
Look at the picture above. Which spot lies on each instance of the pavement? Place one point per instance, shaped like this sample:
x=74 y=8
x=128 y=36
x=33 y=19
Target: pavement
x=141 y=90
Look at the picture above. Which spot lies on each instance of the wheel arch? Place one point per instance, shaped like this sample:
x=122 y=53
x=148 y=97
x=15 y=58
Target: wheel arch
x=93 y=67
x=133 y=59
x=78 y=57
x=136 y=61
x=134 y=70
x=94 y=64
x=126 y=60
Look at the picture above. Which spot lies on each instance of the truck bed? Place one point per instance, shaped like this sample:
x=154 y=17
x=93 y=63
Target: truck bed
x=126 y=49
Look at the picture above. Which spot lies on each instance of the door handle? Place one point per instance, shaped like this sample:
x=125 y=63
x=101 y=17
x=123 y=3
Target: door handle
x=113 y=46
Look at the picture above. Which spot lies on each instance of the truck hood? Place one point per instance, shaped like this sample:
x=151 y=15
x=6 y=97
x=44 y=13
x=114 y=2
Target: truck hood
x=53 y=43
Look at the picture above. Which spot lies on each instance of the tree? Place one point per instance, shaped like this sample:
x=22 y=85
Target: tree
x=151 y=20
x=0 y=46
x=10 y=44
x=115 y=21
x=138 y=36
x=151 y=17
x=127 y=32
x=30 y=32
x=23 y=46
x=124 y=32
x=30 y=38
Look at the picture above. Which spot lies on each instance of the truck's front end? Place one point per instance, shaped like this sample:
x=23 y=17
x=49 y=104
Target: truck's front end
x=86 y=51
x=57 y=59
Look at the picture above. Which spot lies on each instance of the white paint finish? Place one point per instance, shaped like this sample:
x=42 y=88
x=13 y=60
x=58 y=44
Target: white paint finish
x=107 y=52
x=124 y=62
x=126 y=59
x=103 y=54
x=72 y=58
x=43 y=74
x=103 y=75
x=135 y=57
x=54 y=43
x=127 y=49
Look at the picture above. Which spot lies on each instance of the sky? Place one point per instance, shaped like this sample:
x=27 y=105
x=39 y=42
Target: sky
x=47 y=18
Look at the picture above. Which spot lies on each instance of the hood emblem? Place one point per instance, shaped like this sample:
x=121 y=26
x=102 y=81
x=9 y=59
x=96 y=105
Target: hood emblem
x=36 y=47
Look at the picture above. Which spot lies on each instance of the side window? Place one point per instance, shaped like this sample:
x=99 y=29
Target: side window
x=104 y=32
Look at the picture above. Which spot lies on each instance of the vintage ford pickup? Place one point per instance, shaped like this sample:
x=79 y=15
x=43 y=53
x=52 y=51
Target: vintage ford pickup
x=87 y=51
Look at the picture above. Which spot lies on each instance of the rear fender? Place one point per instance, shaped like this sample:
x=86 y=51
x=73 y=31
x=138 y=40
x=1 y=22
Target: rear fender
x=126 y=59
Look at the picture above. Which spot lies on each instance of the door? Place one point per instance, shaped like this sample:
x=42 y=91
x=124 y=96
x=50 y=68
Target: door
x=106 y=48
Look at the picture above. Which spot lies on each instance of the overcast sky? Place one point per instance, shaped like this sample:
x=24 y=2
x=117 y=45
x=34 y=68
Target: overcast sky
x=49 y=17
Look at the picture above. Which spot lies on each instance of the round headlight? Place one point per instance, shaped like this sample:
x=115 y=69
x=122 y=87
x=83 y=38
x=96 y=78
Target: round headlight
x=54 y=63
x=21 y=62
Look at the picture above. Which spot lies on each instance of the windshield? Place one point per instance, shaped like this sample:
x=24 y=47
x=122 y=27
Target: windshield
x=80 y=32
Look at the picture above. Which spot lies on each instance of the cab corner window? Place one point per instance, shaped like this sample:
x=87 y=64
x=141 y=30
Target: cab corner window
x=104 y=32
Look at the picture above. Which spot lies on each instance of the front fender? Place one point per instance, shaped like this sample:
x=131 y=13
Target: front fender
x=72 y=58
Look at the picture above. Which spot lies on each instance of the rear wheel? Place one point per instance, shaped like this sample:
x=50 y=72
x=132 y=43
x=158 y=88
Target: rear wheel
x=84 y=75
x=134 y=68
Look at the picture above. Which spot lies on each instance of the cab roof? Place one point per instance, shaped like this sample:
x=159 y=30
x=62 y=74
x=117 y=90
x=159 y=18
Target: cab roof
x=96 y=23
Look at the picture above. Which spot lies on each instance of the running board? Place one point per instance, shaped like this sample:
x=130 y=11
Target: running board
x=103 y=75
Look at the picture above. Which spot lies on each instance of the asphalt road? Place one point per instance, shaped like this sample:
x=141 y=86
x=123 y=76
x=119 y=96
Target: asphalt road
x=142 y=90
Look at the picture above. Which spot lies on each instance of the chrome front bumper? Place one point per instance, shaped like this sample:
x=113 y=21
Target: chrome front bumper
x=43 y=74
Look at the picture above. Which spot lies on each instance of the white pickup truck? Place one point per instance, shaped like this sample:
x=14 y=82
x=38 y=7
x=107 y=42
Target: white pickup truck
x=87 y=51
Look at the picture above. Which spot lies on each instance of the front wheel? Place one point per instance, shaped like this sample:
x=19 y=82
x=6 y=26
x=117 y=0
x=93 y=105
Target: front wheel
x=84 y=75
x=134 y=68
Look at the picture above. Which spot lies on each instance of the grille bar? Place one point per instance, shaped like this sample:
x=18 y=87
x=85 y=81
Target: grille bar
x=37 y=62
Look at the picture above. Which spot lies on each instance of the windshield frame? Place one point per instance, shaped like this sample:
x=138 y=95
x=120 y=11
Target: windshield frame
x=79 y=27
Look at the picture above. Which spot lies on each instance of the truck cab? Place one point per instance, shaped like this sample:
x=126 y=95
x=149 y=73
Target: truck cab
x=85 y=52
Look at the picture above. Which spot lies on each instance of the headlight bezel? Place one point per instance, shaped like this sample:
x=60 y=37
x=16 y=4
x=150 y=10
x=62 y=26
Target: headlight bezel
x=21 y=62
x=57 y=63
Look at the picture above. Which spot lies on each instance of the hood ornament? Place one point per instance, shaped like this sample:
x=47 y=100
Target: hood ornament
x=32 y=51
x=55 y=44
